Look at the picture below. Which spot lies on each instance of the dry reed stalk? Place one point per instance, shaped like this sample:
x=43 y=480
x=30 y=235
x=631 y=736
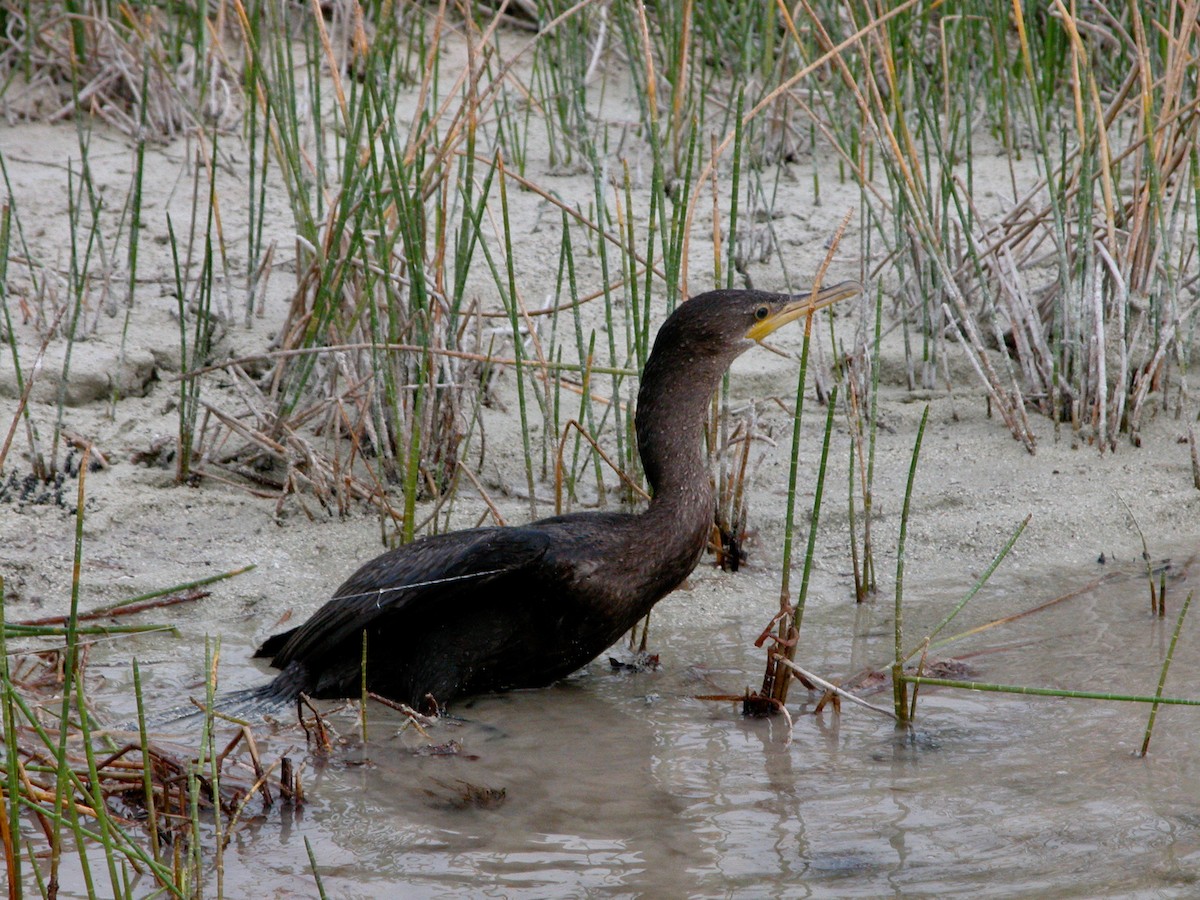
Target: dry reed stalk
x=488 y=359
x=729 y=539
x=831 y=54
x=303 y=465
x=560 y=466
x=1116 y=270
x=1006 y=399
x=1132 y=252
x=497 y=516
x=23 y=402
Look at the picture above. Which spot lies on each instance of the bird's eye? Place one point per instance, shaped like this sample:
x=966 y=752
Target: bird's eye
x=762 y=312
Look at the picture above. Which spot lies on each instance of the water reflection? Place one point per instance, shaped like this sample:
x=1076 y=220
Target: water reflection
x=624 y=785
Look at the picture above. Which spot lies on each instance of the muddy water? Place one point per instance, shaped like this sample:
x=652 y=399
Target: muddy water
x=623 y=785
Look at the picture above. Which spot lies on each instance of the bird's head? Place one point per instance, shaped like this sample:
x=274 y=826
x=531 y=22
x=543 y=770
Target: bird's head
x=694 y=348
x=772 y=311
x=725 y=323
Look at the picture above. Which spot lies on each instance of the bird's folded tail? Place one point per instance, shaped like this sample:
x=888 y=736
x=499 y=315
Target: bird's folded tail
x=248 y=704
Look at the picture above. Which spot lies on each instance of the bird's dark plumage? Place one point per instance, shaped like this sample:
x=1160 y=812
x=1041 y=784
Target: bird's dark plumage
x=495 y=608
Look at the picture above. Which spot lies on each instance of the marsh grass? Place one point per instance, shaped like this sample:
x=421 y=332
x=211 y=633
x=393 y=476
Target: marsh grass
x=1078 y=299
x=390 y=213
x=75 y=793
x=68 y=786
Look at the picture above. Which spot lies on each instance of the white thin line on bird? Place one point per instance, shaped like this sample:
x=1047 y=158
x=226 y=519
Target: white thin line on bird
x=417 y=584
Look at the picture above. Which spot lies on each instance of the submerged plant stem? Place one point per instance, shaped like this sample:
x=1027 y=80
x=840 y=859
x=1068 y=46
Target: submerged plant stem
x=1162 y=678
x=1046 y=692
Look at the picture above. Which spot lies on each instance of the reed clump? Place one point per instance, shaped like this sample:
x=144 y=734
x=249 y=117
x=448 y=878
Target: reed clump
x=140 y=68
x=1073 y=296
x=156 y=811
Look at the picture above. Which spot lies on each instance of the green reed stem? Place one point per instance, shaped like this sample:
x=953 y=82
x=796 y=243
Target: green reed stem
x=860 y=590
x=175 y=589
x=147 y=779
x=12 y=850
x=518 y=345
x=81 y=839
x=98 y=802
x=775 y=682
x=818 y=493
x=129 y=847
x=735 y=190
x=312 y=865
x=979 y=583
x=70 y=668
x=1162 y=676
x=898 y=681
x=135 y=215
x=1046 y=692
x=872 y=433
x=412 y=468
x=793 y=471
x=16 y=629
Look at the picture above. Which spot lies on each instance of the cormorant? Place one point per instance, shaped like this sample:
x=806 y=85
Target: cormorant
x=489 y=609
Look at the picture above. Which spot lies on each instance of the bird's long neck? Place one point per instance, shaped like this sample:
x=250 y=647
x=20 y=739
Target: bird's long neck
x=672 y=408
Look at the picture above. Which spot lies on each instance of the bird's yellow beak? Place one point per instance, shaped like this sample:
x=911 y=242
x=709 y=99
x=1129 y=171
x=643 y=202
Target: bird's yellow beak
x=802 y=305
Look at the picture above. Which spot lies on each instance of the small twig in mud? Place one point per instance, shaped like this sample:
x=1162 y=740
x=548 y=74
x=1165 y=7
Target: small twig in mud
x=260 y=785
x=1158 y=604
x=497 y=516
x=420 y=721
x=246 y=736
x=319 y=729
x=834 y=689
x=1191 y=437
x=110 y=612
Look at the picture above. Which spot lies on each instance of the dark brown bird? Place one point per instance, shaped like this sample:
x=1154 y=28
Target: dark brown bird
x=490 y=609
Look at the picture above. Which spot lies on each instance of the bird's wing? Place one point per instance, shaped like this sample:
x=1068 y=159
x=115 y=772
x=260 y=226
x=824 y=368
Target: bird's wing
x=406 y=580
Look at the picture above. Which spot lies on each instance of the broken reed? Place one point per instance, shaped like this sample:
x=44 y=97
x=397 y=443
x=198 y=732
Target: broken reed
x=1162 y=678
